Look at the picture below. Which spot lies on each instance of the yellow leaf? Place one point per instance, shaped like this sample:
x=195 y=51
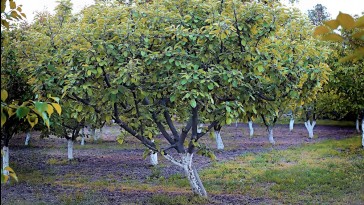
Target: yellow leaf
x=4 y=95
x=49 y=110
x=359 y=35
x=3 y=118
x=346 y=21
x=6 y=178
x=12 y=5
x=333 y=37
x=9 y=169
x=32 y=120
x=321 y=30
x=11 y=112
x=13 y=175
x=333 y=24
x=360 y=22
x=57 y=107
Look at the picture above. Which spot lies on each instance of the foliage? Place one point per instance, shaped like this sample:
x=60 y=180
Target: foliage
x=12 y=14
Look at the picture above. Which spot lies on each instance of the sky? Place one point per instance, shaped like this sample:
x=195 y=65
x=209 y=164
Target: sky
x=351 y=7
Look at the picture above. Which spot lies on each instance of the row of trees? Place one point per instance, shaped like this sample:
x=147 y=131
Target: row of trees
x=150 y=66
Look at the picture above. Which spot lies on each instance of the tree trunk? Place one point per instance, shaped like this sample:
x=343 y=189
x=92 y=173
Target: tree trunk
x=251 y=129
x=83 y=136
x=310 y=127
x=219 y=143
x=93 y=134
x=357 y=125
x=5 y=160
x=291 y=123
x=70 y=149
x=270 y=135
x=199 y=128
x=27 y=138
x=153 y=158
x=191 y=173
x=362 y=130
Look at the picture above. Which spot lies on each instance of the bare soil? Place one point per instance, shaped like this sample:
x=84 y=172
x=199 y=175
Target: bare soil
x=109 y=163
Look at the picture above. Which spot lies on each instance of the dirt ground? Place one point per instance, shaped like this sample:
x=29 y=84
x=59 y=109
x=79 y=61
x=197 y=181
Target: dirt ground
x=110 y=162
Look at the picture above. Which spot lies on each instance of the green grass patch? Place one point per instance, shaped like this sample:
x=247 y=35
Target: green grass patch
x=330 y=172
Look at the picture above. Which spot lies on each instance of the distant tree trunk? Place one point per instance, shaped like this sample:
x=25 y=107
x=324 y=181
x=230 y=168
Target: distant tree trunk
x=153 y=158
x=270 y=135
x=5 y=159
x=27 y=138
x=191 y=173
x=362 y=130
x=219 y=143
x=70 y=149
x=291 y=123
x=251 y=129
x=357 y=124
x=83 y=136
x=309 y=126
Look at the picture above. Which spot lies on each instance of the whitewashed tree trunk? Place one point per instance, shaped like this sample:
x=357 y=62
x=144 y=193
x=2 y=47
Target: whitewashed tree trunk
x=270 y=135
x=362 y=131
x=251 y=129
x=190 y=171
x=27 y=138
x=219 y=143
x=199 y=128
x=310 y=127
x=153 y=157
x=83 y=136
x=291 y=123
x=70 y=149
x=5 y=160
x=357 y=125
x=236 y=123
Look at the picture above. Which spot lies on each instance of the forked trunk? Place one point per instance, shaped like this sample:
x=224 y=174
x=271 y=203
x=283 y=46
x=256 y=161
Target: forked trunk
x=219 y=143
x=291 y=123
x=70 y=149
x=270 y=135
x=27 y=138
x=251 y=129
x=5 y=160
x=309 y=126
x=191 y=173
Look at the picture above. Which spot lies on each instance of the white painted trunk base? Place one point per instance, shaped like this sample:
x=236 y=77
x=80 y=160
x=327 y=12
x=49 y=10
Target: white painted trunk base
x=270 y=136
x=357 y=125
x=219 y=143
x=310 y=127
x=27 y=138
x=70 y=149
x=83 y=136
x=153 y=157
x=199 y=128
x=251 y=129
x=190 y=171
x=291 y=123
x=5 y=160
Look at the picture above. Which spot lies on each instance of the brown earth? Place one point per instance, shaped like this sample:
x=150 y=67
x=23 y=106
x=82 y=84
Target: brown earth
x=107 y=163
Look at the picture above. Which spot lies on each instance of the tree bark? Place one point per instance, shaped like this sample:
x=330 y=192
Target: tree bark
x=270 y=135
x=362 y=131
x=70 y=149
x=27 y=138
x=309 y=126
x=357 y=125
x=291 y=123
x=191 y=173
x=251 y=129
x=219 y=143
x=83 y=136
x=5 y=160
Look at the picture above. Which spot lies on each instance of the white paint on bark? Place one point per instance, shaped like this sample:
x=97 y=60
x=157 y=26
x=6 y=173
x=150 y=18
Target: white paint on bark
x=251 y=129
x=309 y=126
x=357 y=125
x=190 y=171
x=270 y=135
x=5 y=160
x=291 y=123
x=219 y=143
x=362 y=131
x=199 y=128
x=27 y=138
x=70 y=149
x=153 y=157
x=83 y=136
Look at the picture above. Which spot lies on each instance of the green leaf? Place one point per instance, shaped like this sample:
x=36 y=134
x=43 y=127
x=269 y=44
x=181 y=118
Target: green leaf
x=22 y=112
x=210 y=86
x=3 y=118
x=193 y=103
x=172 y=98
x=41 y=106
x=4 y=95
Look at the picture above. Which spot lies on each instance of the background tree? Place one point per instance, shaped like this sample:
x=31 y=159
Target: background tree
x=318 y=14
